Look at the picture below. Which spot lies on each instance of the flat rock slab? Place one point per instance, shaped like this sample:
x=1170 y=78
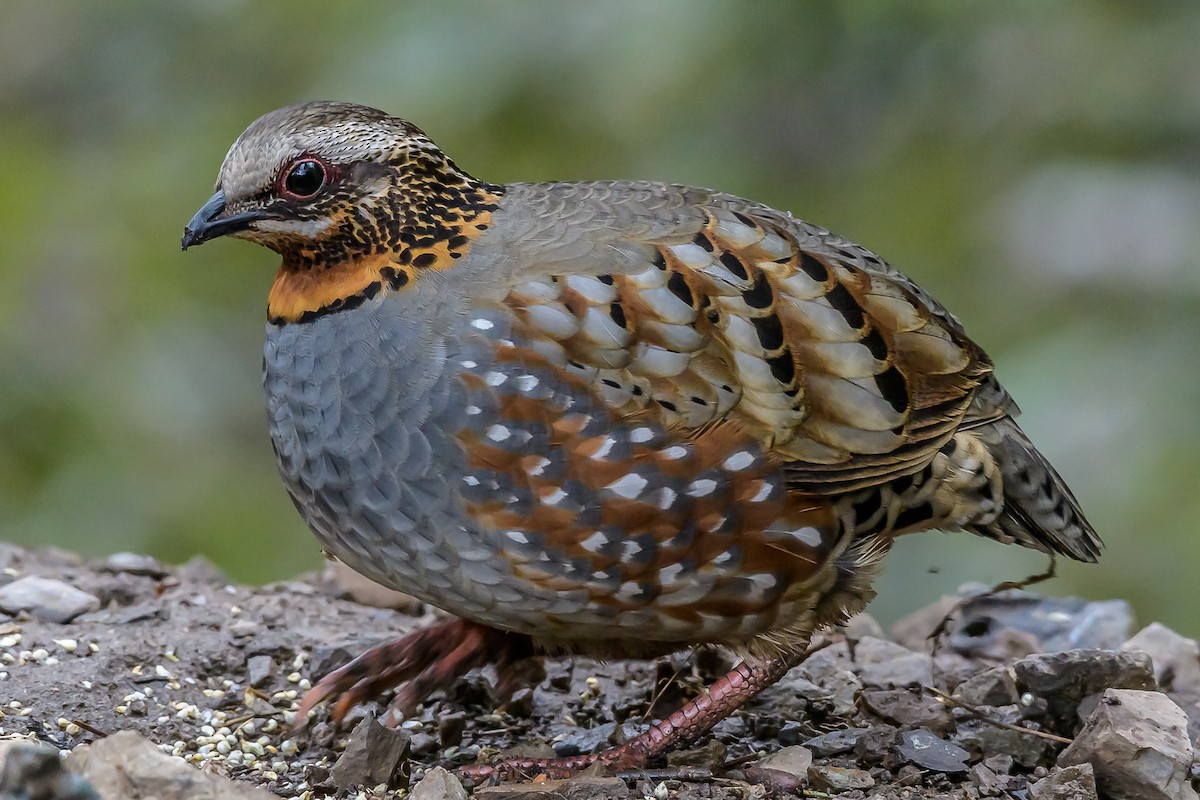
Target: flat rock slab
x=127 y=766
x=47 y=599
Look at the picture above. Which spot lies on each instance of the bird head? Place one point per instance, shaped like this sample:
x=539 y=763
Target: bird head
x=356 y=201
x=324 y=182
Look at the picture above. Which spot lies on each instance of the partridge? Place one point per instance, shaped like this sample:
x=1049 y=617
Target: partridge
x=607 y=418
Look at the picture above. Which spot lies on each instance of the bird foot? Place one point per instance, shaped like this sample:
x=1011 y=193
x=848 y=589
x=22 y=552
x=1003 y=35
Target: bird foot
x=420 y=662
x=692 y=720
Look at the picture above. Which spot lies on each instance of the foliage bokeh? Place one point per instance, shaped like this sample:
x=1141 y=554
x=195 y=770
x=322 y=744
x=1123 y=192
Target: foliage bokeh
x=1032 y=164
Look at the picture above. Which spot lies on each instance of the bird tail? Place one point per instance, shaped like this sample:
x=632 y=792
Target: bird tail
x=1038 y=509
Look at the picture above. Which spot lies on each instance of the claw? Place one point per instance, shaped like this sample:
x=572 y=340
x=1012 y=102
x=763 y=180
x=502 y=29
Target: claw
x=420 y=662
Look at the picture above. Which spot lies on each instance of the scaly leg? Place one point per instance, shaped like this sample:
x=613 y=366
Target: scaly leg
x=695 y=718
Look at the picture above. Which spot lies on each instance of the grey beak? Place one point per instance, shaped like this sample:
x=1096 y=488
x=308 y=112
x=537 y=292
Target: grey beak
x=209 y=224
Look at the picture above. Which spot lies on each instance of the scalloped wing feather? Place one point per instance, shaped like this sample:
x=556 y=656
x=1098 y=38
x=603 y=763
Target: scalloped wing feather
x=724 y=311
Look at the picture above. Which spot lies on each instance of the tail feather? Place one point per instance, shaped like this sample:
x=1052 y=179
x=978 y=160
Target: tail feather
x=1039 y=510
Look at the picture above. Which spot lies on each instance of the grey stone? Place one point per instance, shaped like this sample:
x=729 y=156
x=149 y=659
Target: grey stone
x=835 y=742
x=438 y=784
x=134 y=564
x=907 y=708
x=992 y=687
x=374 y=754
x=1067 y=783
x=1137 y=743
x=1065 y=679
x=885 y=664
x=927 y=751
x=585 y=740
x=260 y=670
x=1001 y=764
x=826 y=676
x=986 y=781
x=47 y=599
x=839 y=779
x=794 y=760
x=131 y=767
x=1176 y=658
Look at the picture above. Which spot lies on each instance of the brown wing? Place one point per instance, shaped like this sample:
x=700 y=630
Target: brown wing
x=834 y=362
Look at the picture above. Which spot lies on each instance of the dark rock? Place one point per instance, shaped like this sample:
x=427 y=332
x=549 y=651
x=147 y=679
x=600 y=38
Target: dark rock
x=793 y=732
x=438 y=784
x=983 y=739
x=1068 y=783
x=909 y=708
x=825 y=678
x=328 y=657
x=47 y=599
x=835 y=742
x=711 y=756
x=910 y=775
x=36 y=772
x=839 y=779
x=986 y=781
x=1137 y=743
x=585 y=740
x=374 y=755
x=886 y=664
x=928 y=751
x=1065 y=679
x=520 y=704
x=422 y=744
x=875 y=745
x=450 y=728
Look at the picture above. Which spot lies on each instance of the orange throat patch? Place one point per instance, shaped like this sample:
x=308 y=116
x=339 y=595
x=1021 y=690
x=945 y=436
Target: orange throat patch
x=301 y=295
x=304 y=293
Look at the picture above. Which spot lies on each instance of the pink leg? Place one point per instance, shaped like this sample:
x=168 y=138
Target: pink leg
x=421 y=662
x=695 y=718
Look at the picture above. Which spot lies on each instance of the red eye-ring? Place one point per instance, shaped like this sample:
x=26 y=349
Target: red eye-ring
x=304 y=179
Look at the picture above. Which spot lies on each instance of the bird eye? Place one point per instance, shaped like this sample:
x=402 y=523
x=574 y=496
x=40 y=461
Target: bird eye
x=304 y=179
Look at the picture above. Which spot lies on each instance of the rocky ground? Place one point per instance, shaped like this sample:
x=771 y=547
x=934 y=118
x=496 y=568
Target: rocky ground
x=170 y=682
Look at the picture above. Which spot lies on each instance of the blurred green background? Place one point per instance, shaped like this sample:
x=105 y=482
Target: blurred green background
x=1033 y=164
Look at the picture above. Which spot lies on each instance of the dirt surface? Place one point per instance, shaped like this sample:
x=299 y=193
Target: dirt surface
x=211 y=672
